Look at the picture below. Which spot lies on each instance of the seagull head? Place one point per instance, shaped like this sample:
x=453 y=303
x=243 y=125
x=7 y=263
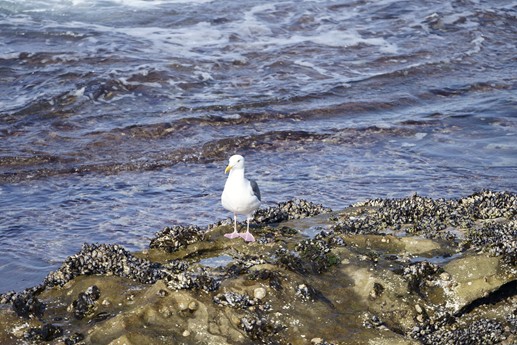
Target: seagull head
x=235 y=162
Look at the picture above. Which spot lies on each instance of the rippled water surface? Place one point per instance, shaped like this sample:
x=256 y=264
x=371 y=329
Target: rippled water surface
x=117 y=117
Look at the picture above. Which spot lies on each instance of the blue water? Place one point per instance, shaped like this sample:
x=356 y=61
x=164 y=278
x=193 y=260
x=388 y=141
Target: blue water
x=117 y=117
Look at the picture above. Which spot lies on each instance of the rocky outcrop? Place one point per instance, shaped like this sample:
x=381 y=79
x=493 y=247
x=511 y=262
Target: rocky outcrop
x=405 y=271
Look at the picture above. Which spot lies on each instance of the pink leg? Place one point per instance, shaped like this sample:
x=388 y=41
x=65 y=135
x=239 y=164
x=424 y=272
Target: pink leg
x=247 y=236
x=233 y=234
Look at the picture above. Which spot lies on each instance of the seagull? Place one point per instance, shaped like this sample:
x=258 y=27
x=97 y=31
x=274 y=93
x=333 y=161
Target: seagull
x=240 y=196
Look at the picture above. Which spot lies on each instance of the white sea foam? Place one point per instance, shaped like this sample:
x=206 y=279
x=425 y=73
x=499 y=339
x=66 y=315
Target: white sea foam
x=65 y=5
x=477 y=44
x=182 y=42
x=305 y=63
x=147 y=3
x=205 y=76
x=420 y=135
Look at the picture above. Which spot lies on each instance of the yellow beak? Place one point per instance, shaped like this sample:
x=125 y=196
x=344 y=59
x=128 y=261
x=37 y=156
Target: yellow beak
x=228 y=168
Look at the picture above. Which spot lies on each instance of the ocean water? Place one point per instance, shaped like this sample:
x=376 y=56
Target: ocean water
x=117 y=117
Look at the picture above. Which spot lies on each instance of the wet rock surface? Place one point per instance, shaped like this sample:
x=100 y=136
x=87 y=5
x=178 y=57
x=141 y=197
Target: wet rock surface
x=46 y=333
x=173 y=238
x=434 y=218
x=105 y=259
x=85 y=303
x=404 y=271
x=293 y=209
x=27 y=306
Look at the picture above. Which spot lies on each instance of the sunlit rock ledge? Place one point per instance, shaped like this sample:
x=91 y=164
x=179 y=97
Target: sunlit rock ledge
x=387 y=271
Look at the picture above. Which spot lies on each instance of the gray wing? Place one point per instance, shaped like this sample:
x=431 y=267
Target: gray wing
x=255 y=188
